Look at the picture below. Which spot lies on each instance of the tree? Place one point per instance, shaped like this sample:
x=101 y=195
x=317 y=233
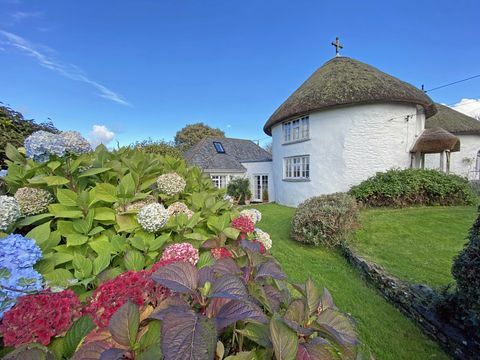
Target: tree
x=14 y=128
x=159 y=147
x=194 y=133
x=268 y=147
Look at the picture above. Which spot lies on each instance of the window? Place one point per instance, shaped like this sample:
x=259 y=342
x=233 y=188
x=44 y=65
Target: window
x=219 y=181
x=297 y=167
x=219 y=147
x=296 y=129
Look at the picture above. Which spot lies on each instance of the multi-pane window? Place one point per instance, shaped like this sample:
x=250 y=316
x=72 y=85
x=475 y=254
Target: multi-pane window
x=296 y=129
x=297 y=167
x=220 y=181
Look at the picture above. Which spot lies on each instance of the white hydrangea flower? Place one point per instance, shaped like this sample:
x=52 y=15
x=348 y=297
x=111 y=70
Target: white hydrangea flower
x=171 y=183
x=137 y=205
x=9 y=211
x=152 y=217
x=264 y=238
x=252 y=214
x=33 y=201
x=178 y=208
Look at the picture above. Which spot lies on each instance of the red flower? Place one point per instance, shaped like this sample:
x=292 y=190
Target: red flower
x=39 y=317
x=221 y=252
x=136 y=287
x=262 y=247
x=244 y=224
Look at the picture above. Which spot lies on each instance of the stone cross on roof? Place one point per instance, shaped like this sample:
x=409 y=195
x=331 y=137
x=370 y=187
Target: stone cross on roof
x=337 y=45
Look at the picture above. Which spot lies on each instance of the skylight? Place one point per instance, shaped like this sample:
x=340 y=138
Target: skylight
x=219 y=147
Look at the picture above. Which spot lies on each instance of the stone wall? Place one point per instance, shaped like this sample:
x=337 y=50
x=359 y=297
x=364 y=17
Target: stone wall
x=416 y=302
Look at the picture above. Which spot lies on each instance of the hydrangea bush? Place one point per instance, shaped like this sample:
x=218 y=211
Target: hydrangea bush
x=125 y=277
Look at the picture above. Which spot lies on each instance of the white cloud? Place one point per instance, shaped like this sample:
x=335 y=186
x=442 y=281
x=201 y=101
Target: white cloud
x=69 y=71
x=100 y=134
x=469 y=107
x=21 y=15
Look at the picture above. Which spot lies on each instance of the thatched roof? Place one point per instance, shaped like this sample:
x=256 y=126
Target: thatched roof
x=436 y=140
x=345 y=81
x=237 y=151
x=453 y=121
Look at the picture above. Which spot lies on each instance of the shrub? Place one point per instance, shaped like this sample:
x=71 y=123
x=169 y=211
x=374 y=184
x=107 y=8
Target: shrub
x=324 y=220
x=239 y=188
x=158 y=147
x=413 y=187
x=466 y=270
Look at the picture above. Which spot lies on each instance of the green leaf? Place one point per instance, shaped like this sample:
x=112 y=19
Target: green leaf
x=105 y=192
x=150 y=342
x=61 y=258
x=63 y=211
x=139 y=243
x=41 y=233
x=104 y=214
x=284 y=339
x=126 y=223
x=102 y=247
x=4 y=273
x=126 y=188
x=76 y=239
x=96 y=230
x=134 y=260
x=76 y=333
x=29 y=220
x=67 y=197
x=231 y=233
x=196 y=236
x=54 y=164
x=157 y=242
x=101 y=262
x=59 y=277
x=124 y=324
x=93 y=171
x=205 y=259
x=13 y=154
x=56 y=180
x=259 y=333
x=83 y=267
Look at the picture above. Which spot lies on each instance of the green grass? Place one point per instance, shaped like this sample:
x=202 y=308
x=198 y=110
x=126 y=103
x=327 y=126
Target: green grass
x=384 y=332
x=414 y=244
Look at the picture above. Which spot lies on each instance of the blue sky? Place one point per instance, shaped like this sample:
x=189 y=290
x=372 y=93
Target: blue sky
x=145 y=68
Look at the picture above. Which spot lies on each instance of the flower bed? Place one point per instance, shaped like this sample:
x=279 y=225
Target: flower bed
x=127 y=254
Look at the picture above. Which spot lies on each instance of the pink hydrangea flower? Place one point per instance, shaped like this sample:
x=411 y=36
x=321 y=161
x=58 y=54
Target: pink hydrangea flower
x=181 y=252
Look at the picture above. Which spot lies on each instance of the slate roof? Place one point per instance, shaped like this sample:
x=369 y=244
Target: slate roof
x=453 y=121
x=205 y=156
x=346 y=81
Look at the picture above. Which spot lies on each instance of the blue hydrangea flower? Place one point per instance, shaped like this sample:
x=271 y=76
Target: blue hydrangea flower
x=41 y=144
x=17 y=251
x=9 y=211
x=3 y=173
x=18 y=254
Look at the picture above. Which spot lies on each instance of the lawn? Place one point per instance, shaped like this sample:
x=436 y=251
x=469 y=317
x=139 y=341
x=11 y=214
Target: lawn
x=384 y=332
x=415 y=244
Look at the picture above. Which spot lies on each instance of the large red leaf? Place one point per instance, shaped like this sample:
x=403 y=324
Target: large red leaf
x=180 y=277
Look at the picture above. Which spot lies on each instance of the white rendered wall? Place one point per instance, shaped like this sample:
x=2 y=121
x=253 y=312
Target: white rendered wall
x=347 y=145
x=261 y=168
x=462 y=162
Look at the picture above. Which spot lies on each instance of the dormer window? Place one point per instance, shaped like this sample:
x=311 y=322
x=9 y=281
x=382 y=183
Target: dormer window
x=219 y=147
x=296 y=130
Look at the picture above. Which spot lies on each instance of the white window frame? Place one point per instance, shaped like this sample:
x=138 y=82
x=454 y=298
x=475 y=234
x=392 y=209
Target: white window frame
x=296 y=167
x=220 y=181
x=296 y=130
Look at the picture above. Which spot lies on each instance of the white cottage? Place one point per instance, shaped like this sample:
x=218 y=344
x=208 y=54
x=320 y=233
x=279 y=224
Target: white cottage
x=346 y=122
x=226 y=158
x=466 y=162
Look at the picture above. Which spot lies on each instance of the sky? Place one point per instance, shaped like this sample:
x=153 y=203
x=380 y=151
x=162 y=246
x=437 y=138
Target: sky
x=123 y=71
